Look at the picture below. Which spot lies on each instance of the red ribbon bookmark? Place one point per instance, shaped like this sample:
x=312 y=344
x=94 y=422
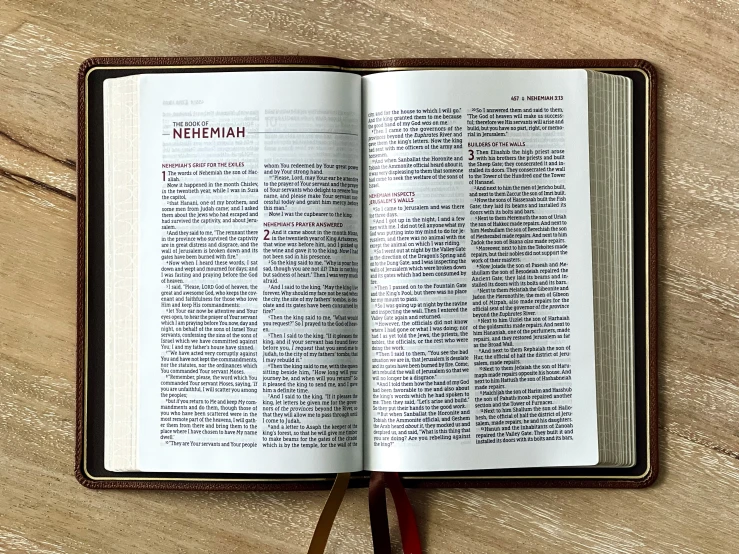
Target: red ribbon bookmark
x=378 y=514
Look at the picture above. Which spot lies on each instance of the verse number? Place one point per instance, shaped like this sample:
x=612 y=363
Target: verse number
x=472 y=155
x=266 y=234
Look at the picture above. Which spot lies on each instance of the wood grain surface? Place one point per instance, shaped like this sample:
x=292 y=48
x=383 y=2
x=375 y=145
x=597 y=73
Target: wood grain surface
x=694 y=507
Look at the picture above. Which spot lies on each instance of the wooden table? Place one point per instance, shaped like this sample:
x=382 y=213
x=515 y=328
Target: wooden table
x=695 y=45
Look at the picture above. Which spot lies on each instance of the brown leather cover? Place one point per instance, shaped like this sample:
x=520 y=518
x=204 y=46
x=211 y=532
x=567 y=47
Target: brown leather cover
x=645 y=134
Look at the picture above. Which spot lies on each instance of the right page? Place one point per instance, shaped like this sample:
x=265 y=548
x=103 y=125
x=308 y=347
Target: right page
x=479 y=297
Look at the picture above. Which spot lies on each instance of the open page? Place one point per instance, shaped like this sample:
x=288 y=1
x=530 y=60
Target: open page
x=479 y=309
x=249 y=272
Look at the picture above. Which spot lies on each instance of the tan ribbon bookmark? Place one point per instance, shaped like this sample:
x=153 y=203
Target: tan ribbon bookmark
x=326 y=521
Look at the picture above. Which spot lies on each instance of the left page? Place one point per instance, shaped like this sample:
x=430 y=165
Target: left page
x=249 y=273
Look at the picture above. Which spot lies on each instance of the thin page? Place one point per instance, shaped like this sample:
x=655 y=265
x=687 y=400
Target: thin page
x=478 y=252
x=250 y=272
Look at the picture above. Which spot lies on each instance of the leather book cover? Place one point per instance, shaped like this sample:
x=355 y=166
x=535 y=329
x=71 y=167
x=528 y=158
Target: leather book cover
x=90 y=369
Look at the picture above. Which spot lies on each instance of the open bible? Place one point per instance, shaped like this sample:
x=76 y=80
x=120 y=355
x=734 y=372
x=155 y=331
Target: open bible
x=321 y=271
